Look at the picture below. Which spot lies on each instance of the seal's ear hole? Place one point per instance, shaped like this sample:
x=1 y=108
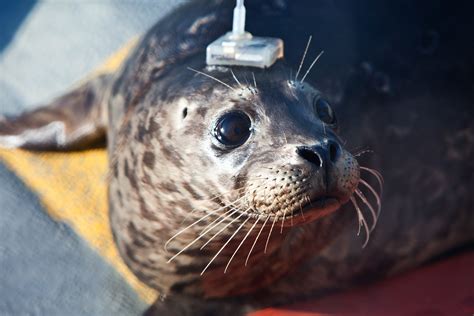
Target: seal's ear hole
x=185 y=112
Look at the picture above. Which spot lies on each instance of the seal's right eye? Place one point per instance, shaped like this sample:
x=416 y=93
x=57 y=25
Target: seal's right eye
x=233 y=129
x=324 y=111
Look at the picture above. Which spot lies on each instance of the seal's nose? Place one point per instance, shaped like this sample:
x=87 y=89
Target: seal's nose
x=327 y=151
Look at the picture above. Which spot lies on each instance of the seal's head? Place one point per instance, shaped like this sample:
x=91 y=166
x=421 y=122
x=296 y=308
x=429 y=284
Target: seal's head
x=276 y=140
x=229 y=157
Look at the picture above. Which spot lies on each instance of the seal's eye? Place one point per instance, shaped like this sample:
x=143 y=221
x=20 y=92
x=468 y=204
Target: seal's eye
x=324 y=111
x=233 y=129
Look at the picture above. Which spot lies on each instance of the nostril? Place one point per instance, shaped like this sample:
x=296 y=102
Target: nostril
x=334 y=151
x=310 y=156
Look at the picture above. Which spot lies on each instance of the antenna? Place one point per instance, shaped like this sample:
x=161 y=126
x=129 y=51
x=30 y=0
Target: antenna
x=240 y=48
x=238 y=27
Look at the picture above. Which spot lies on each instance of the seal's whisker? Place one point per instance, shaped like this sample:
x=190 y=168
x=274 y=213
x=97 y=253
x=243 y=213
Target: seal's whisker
x=188 y=245
x=216 y=196
x=282 y=222
x=193 y=211
x=235 y=78
x=226 y=243
x=269 y=234
x=254 y=81
x=221 y=217
x=256 y=238
x=284 y=137
x=311 y=66
x=189 y=226
x=212 y=77
x=222 y=229
x=372 y=211
x=235 y=207
x=241 y=243
x=301 y=211
x=196 y=222
x=210 y=199
x=362 y=152
x=377 y=175
x=304 y=56
x=248 y=86
x=362 y=222
x=376 y=195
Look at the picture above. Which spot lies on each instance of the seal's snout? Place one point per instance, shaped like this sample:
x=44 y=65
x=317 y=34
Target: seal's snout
x=320 y=155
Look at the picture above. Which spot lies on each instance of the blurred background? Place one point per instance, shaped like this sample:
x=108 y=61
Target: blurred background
x=45 y=48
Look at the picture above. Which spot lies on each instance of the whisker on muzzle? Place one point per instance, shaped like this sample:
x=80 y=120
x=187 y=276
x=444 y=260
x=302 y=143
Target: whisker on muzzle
x=241 y=243
x=226 y=243
x=224 y=228
x=362 y=222
x=377 y=175
x=374 y=214
x=256 y=238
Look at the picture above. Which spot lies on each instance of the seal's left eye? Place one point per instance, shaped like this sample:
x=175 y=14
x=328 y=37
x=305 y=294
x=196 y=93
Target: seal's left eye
x=324 y=111
x=233 y=129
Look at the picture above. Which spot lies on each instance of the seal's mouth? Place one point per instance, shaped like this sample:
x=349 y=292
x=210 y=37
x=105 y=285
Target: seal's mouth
x=313 y=210
x=310 y=211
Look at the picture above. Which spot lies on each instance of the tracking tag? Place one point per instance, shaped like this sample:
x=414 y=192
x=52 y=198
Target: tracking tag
x=240 y=48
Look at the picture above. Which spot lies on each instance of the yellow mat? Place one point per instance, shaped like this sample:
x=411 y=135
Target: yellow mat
x=73 y=187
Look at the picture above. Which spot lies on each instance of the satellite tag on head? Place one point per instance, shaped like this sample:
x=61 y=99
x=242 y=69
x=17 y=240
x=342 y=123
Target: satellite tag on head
x=240 y=48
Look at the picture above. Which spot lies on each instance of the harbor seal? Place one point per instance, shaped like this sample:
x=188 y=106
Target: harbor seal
x=233 y=188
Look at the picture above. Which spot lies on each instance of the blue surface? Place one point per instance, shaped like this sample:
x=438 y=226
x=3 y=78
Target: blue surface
x=57 y=43
x=46 y=269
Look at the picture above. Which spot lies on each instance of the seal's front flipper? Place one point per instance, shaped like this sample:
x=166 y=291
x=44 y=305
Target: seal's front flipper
x=76 y=120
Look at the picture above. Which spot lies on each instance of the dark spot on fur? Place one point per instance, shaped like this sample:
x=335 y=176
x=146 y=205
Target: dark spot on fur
x=140 y=239
x=131 y=255
x=184 y=205
x=185 y=112
x=203 y=162
x=240 y=181
x=202 y=111
x=133 y=182
x=169 y=186
x=171 y=156
x=142 y=132
x=130 y=176
x=120 y=197
x=115 y=169
x=126 y=170
x=193 y=193
x=149 y=159
x=180 y=204
x=153 y=126
x=145 y=212
x=146 y=179
x=219 y=201
x=127 y=128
